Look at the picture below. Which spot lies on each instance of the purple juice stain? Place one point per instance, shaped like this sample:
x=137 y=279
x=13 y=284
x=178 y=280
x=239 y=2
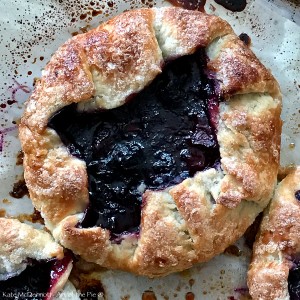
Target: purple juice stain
x=163 y=135
x=18 y=87
x=1 y=141
x=243 y=291
x=3 y=132
x=14 y=89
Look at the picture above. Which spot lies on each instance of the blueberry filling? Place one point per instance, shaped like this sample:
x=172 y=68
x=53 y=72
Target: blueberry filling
x=294 y=281
x=36 y=281
x=297 y=195
x=161 y=136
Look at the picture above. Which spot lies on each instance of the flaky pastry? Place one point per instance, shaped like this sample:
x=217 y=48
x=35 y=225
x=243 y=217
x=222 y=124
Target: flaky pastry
x=274 y=271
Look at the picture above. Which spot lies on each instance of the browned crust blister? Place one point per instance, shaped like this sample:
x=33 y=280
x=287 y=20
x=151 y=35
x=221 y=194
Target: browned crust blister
x=200 y=217
x=276 y=243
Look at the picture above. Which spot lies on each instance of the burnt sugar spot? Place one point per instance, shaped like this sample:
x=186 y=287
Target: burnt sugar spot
x=95 y=13
x=82 y=30
x=148 y=295
x=2 y=213
x=19 y=189
x=245 y=38
x=20 y=157
x=233 y=250
x=110 y=4
x=190 y=296
x=35 y=217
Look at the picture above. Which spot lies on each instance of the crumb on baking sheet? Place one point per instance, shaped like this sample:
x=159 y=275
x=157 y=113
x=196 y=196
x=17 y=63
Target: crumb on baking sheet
x=20 y=157
x=6 y=201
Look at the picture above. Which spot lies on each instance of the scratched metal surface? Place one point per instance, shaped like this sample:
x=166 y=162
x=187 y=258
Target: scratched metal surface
x=30 y=33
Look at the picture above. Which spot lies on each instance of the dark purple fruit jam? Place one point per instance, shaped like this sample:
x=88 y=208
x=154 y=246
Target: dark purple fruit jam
x=233 y=5
x=189 y=4
x=294 y=281
x=297 y=195
x=157 y=139
x=32 y=283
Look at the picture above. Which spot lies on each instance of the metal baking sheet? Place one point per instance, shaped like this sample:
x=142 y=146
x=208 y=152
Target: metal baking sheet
x=30 y=33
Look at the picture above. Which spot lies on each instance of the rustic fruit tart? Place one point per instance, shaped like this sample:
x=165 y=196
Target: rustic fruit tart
x=152 y=142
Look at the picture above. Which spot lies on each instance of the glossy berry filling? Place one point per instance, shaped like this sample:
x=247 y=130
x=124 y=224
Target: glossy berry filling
x=297 y=195
x=294 y=281
x=160 y=137
x=36 y=281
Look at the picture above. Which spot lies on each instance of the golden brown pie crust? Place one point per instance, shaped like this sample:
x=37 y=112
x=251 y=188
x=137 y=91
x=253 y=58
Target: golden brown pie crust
x=190 y=222
x=277 y=241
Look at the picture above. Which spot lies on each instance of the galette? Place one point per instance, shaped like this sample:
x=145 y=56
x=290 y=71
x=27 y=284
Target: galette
x=152 y=142
x=32 y=264
x=274 y=272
